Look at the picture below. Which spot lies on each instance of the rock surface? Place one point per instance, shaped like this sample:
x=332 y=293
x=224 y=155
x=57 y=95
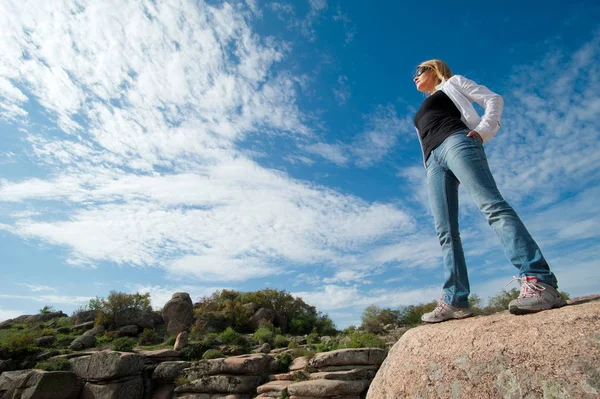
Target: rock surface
x=551 y=354
x=342 y=357
x=178 y=313
x=107 y=365
x=33 y=384
x=181 y=341
x=87 y=339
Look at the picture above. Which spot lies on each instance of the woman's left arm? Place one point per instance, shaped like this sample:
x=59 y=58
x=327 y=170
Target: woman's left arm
x=491 y=102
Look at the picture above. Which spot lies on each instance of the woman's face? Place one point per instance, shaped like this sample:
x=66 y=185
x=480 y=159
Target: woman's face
x=426 y=79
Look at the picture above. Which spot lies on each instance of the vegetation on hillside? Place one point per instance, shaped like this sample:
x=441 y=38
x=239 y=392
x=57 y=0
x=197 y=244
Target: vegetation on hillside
x=222 y=327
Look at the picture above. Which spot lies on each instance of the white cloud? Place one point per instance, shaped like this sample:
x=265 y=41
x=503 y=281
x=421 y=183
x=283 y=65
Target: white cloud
x=342 y=92
x=50 y=299
x=38 y=288
x=332 y=152
x=382 y=130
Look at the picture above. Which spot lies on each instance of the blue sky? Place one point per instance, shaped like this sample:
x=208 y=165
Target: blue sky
x=164 y=146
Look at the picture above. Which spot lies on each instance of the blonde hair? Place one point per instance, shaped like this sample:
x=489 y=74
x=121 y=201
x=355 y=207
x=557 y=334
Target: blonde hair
x=440 y=68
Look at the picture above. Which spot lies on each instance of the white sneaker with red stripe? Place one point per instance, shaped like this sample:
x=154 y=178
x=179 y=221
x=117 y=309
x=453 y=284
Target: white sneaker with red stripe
x=535 y=297
x=444 y=312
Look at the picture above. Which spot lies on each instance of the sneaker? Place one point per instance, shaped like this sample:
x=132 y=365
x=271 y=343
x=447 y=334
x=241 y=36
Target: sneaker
x=444 y=312
x=535 y=297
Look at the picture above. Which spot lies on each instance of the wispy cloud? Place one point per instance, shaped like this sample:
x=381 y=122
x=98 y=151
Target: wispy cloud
x=349 y=26
x=38 y=288
x=342 y=92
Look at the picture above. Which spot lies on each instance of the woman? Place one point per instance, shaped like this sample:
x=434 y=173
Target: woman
x=452 y=136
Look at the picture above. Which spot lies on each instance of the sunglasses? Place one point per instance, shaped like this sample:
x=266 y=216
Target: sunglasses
x=421 y=70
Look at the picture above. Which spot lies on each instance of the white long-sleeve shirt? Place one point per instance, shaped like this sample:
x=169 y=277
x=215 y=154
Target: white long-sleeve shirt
x=463 y=93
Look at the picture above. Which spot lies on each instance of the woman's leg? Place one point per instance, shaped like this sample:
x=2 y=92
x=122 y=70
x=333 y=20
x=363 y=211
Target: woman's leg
x=443 y=198
x=466 y=158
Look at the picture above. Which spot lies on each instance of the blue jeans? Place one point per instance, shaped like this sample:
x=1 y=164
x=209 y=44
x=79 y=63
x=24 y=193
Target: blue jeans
x=461 y=159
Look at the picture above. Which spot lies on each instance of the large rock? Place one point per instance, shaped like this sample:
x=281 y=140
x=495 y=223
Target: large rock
x=168 y=371
x=554 y=354
x=178 y=313
x=38 y=318
x=350 y=375
x=262 y=315
x=127 y=331
x=138 y=317
x=34 y=384
x=255 y=364
x=130 y=388
x=343 y=357
x=181 y=341
x=160 y=355
x=107 y=365
x=84 y=316
x=87 y=339
x=45 y=341
x=328 y=388
x=222 y=384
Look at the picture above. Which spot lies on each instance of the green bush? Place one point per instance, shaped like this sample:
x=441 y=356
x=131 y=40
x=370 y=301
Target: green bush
x=104 y=339
x=118 y=302
x=124 y=344
x=375 y=318
x=280 y=341
x=20 y=343
x=63 y=340
x=226 y=309
x=170 y=341
x=211 y=339
x=364 y=340
x=147 y=337
x=56 y=364
x=46 y=309
x=212 y=354
x=283 y=361
x=292 y=345
x=264 y=335
x=193 y=351
x=313 y=338
x=232 y=337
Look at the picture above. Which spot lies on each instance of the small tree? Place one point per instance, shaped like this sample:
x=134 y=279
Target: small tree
x=46 y=309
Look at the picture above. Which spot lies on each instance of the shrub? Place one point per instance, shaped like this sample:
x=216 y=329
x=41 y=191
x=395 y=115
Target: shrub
x=63 y=340
x=300 y=376
x=364 y=340
x=264 y=335
x=104 y=339
x=374 y=318
x=313 y=338
x=124 y=344
x=501 y=300
x=231 y=337
x=46 y=309
x=212 y=354
x=283 y=361
x=170 y=341
x=280 y=341
x=20 y=343
x=211 y=339
x=56 y=364
x=293 y=345
x=118 y=302
x=193 y=351
x=147 y=337
x=299 y=352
